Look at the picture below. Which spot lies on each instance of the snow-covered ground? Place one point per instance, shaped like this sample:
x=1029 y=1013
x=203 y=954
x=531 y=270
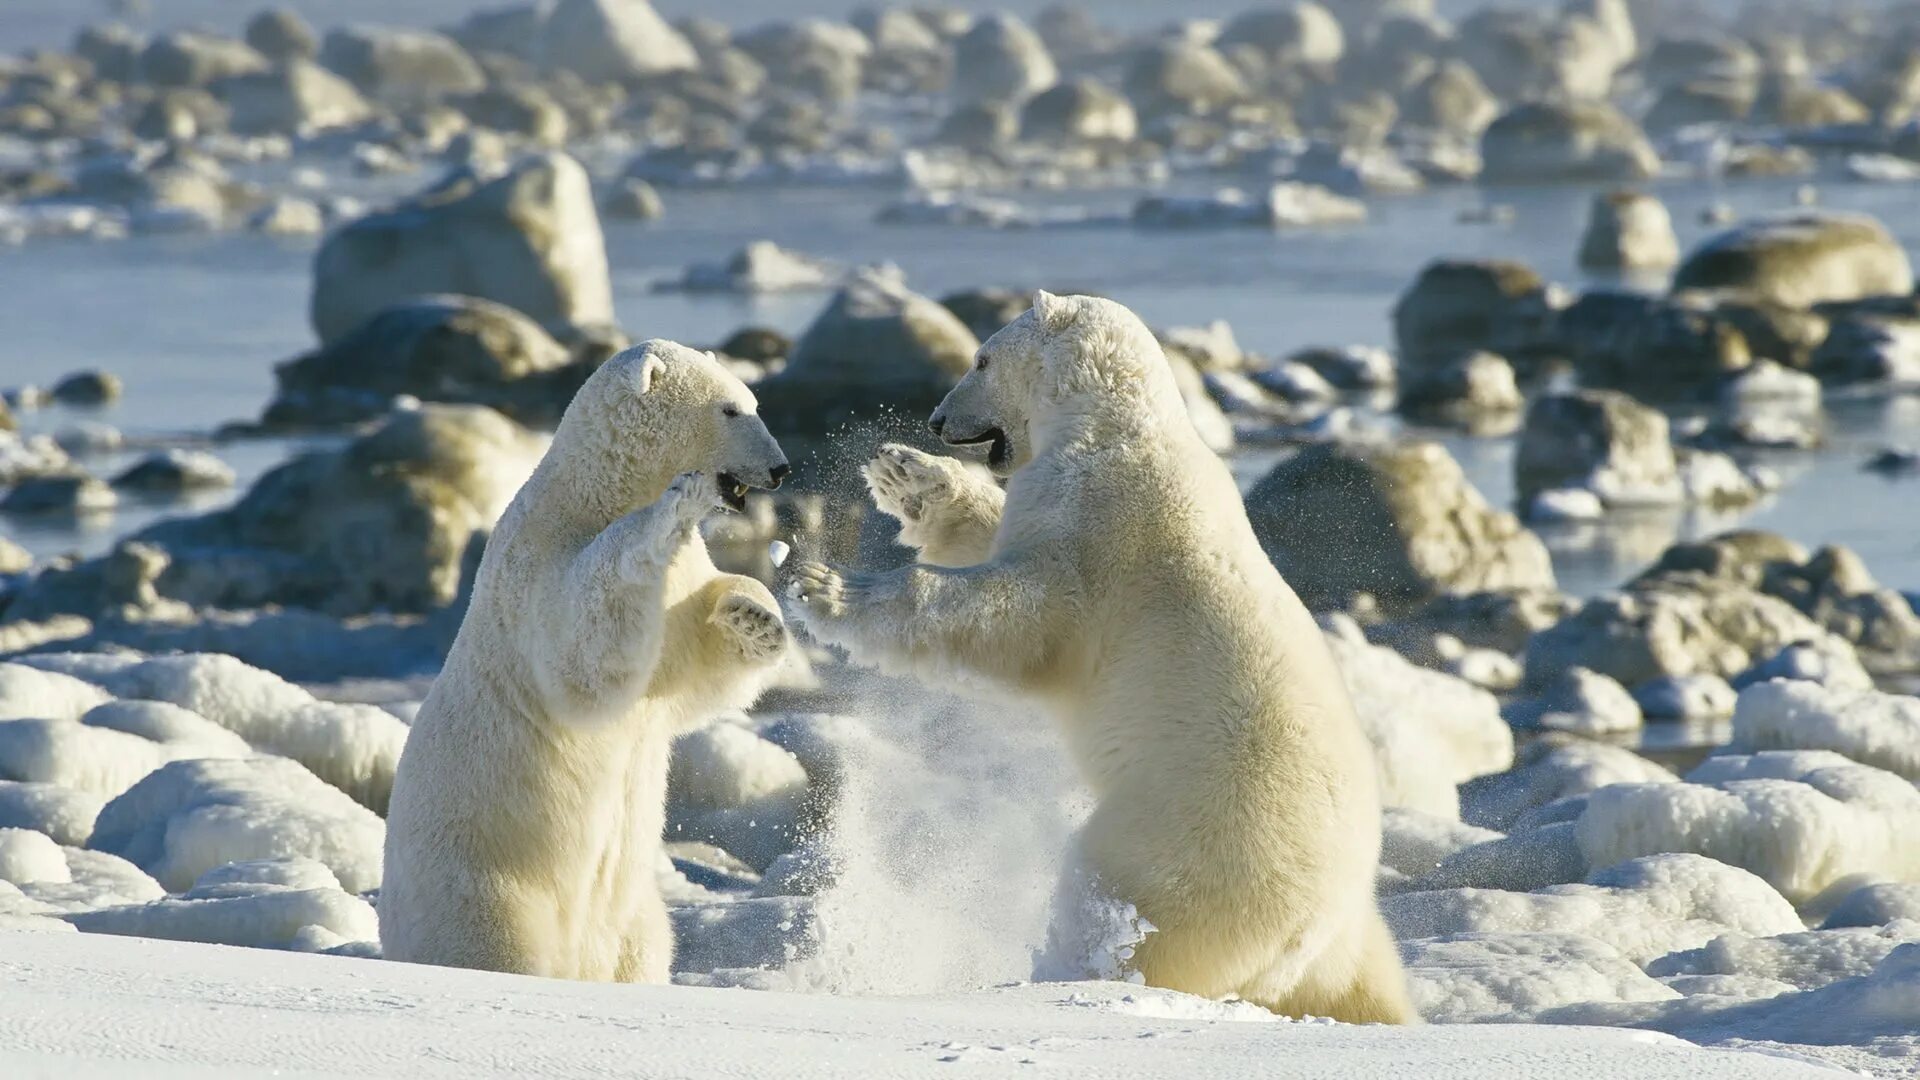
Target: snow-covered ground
x=73 y=1006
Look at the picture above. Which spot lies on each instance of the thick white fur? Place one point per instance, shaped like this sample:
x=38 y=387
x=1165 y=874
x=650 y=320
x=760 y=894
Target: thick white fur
x=1122 y=587
x=525 y=825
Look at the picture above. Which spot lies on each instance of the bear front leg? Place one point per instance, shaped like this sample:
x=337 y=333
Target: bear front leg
x=1000 y=621
x=746 y=622
x=608 y=635
x=946 y=512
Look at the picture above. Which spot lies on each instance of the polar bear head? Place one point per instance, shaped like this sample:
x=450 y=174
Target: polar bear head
x=1068 y=356
x=659 y=410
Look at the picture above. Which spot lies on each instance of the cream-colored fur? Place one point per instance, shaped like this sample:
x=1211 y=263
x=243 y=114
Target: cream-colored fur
x=524 y=831
x=1122 y=587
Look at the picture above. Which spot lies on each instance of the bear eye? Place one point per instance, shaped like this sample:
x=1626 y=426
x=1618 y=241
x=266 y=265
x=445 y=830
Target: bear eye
x=729 y=411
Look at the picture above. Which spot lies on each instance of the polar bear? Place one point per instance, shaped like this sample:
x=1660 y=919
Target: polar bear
x=524 y=832
x=1118 y=584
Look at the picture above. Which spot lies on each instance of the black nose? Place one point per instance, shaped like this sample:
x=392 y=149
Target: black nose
x=779 y=472
x=936 y=422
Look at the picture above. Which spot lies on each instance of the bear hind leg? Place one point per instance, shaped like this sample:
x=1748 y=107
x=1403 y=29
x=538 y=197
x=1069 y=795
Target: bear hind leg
x=1358 y=982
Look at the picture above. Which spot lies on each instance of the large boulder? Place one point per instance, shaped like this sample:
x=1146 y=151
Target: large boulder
x=1629 y=230
x=1601 y=441
x=1081 y=110
x=878 y=346
x=1397 y=521
x=402 y=68
x=1540 y=142
x=282 y=34
x=1452 y=100
x=1618 y=338
x=1183 y=77
x=1801 y=259
x=1295 y=33
x=529 y=238
x=297 y=98
x=1001 y=59
x=456 y=349
x=384 y=523
x=612 y=40
x=186 y=58
x=1459 y=305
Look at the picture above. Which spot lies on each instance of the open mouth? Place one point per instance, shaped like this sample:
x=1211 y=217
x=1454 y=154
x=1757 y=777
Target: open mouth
x=999 y=448
x=733 y=493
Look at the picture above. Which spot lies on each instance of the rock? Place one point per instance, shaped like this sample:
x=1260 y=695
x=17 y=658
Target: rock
x=88 y=388
x=1614 y=18
x=1602 y=441
x=509 y=31
x=613 y=40
x=1827 y=662
x=169 y=472
x=297 y=98
x=523 y=109
x=186 y=58
x=1353 y=367
x=1475 y=390
x=59 y=495
x=1678 y=60
x=878 y=345
x=1458 y=306
x=1080 y=110
x=1868 y=348
x=759 y=345
x=1801 y=259
x=761 y=267
x=529 y=239
x=812 y=57
x=1631 y=339
x=1284 y=205
x=113 y=49
x=1629 y=230
x=1452 y=100
x=456 y=349
x=181 y=114
x=383 y=523
x=1528 y=55
x=1686 y=698
x=632 y=199
x=1001 y=59
x=986 y=311
x=89 y=438
x=1184 y=78
x=1541 y=142
x=1582 y=702
x=402 y=68
x=1564 y=505
x=281 y=34
x=1296 y=33
x=289 y=216
x=981 y=127
x=1703 y=101
x=1398 y=522
x=1547 y=770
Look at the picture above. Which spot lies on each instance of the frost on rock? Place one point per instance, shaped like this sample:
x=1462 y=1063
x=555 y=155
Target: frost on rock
x=1430 y=731
x=93 y=879
x=1805 y=960
x=1549 y=769
x=1413 y=842
x=62 y=813
x=1873 y=728
x=192 y=816
x=353 y=747
x=1475 y=977
x=1801 y=820
x=1644 y=908
x=255 y=916
x=1876 y=905
x=27 y=857
x=30 y=693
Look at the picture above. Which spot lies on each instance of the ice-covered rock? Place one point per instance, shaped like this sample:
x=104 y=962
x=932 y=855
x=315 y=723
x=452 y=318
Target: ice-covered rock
x=1580 y=701
x=1001 y=59
x=166 y=472
x=1876 y=905
x=1802 y=820
x=1686 y=697
x=87 y=388
x=1550 y=769
x=1284 y=205
x=27 y=857
x=189 y=58
x=458 y=349
x=1509 y=977
x=1413 y=842
x=1629 y=230
x=261 y=917
x=1805 y=960
x=1458 y=306
x=297 y=98
x=761 y=267
x=28 y=693
x=1079 y=110
x=59 y=495
x=280 y=33
x=1873 y=728
x=1600 y=440
x=1566 y=141
x=733 y=789
x=529 y=239
x=1801 y=259
x=1863 y=348
x=289 y=215
x=612 y=40
x=878 y=344
x=1451 y=99
x=404 y=68
x=1475 y=390
x=192 y=816
x=63 y=813
x=1430 y=732
x=1643 y=907
x=1398 y=521
x=1183 y=77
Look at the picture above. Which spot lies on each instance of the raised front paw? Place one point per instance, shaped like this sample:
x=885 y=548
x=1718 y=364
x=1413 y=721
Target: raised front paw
x=756 y=630
x=908 y=484
x=819 y=588
x=660 y=530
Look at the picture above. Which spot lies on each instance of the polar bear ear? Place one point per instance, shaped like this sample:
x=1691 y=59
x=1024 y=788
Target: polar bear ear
x=652 y=366
x=1051 y=310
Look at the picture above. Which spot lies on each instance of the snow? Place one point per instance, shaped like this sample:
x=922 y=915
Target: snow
x=27 y=857
x=1876 y=905
x=192 y=816
x=1806 y=960
x=1476 y=977
x=1870 y=727
x=1802 y=820
x=83 y=1007
x=777 y=552
x=62 y=813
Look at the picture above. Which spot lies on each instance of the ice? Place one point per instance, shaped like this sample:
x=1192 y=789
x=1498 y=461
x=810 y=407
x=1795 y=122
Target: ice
x=732 y=788
x=1550 y=769
x=1430 y=731
x=1644 y=908
x=352 y=747
x=777 y=552
x=62 y=813
x=1476 y=977
x=1806 y=960
x=262 y=917
x=1802 y=820
x=27 y=857
x=97 y=761
x=94 y=879
x=1882 y=730
x=192 y=816
x=26 y=693
x=1876 y=905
